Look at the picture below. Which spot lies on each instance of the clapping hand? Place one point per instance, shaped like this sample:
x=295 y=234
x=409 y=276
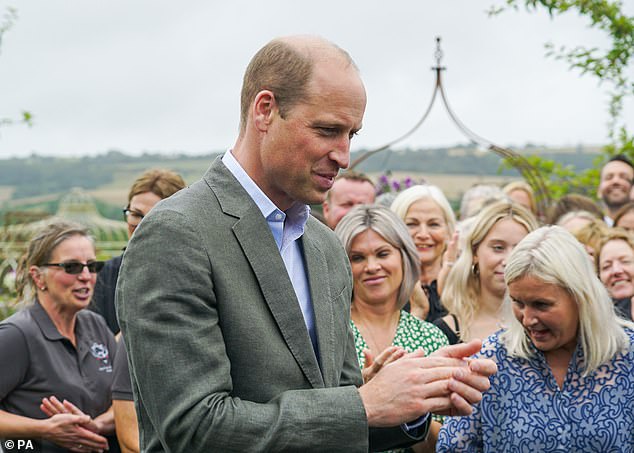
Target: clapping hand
x=374 y=364
x=446 y=382
x=70 y=428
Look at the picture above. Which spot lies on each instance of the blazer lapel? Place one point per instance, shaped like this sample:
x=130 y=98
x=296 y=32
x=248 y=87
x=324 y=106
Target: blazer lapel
x=322 y=307
x=259 y=247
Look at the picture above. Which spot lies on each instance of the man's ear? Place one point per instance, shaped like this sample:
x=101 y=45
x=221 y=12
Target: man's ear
x=264 y=110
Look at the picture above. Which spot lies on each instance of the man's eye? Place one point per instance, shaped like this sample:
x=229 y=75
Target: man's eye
x=328 y=131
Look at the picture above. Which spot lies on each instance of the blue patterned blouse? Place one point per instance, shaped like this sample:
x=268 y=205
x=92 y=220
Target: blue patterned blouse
x=525 y=411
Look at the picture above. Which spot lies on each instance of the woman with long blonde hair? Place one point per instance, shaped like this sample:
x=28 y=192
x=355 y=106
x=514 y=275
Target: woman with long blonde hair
x=475 y=286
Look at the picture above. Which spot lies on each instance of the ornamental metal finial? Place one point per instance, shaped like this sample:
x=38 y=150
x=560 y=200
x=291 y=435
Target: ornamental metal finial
x=438 y=54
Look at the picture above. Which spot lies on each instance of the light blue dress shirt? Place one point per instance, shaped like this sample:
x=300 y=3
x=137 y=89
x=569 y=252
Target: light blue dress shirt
x=286 y=227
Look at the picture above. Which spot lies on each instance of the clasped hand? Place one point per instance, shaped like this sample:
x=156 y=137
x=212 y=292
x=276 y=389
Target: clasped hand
x=406 y=386
x=70 y=428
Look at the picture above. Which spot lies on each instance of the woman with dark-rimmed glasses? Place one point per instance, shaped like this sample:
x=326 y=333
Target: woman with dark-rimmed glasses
x=55 y=356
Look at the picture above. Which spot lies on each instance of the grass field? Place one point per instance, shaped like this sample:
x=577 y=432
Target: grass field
x=5 y=193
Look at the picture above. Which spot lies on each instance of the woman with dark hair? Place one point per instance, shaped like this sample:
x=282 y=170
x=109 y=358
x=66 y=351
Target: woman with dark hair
x=146 y=191
x=573 y=202
x=56 y=356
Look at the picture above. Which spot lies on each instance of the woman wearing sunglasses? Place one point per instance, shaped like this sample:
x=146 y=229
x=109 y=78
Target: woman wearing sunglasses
x=55 y=356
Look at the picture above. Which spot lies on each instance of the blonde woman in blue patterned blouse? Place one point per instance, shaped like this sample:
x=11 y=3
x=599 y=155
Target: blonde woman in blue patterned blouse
x=565 y=380
x=385 y=269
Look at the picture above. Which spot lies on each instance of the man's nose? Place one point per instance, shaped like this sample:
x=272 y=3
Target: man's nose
x=340 y=154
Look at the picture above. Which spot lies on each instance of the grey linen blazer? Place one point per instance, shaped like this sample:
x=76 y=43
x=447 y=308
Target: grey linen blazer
x=220 y=357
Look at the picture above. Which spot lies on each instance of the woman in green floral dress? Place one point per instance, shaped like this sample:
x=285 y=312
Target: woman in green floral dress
x=385 y=270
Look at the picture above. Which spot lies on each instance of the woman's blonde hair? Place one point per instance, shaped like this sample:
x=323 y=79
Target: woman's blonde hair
x=591 y=235
x=552 y=255
x=524 y=187
x=462 y=290
x=385 y=223
x=613 y=234
x=40 y=250
x=406 y=198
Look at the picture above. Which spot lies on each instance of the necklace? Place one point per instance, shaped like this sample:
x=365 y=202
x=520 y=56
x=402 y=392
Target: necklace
x=375 y=346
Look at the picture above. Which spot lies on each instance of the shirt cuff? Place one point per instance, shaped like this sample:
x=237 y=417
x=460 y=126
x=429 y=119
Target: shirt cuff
x=418 y=428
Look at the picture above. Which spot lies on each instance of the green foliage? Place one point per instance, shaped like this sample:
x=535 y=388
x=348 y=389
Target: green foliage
x=611 y=66
x=561 y=179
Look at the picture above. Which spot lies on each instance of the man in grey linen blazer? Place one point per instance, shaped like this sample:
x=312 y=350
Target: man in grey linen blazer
x=222 y=357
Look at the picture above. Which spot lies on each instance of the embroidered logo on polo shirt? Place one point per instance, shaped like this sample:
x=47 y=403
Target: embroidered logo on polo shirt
x=100 y=352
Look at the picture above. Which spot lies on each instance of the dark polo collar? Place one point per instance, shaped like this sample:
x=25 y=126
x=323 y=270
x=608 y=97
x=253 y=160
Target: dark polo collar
x=45 y=323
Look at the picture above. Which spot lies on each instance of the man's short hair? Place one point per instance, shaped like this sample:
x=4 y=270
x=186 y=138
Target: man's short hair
x=619 y=158
x=352 y=175
x=283 y=69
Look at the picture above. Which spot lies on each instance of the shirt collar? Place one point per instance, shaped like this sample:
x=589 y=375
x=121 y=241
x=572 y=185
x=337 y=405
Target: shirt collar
x=44 y=321
x=295 y=217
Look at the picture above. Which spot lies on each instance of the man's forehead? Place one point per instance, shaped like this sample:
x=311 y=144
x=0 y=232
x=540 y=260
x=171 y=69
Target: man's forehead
x=344 y=184
x=615 y=167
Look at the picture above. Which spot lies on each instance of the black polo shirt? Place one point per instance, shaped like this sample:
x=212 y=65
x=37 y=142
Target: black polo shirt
x=37 y=362
x=103 y=298
x=122 y=384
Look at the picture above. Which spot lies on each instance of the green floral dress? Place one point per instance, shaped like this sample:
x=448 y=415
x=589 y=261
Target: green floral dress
x=412 y=334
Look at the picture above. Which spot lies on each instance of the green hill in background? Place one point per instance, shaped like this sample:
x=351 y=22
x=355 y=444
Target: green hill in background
x=35 y=184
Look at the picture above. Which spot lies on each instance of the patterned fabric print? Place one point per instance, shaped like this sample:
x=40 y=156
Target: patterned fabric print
x=411 y=334
x=525 y=411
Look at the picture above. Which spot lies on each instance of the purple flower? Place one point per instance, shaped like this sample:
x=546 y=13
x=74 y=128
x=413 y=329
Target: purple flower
x=396 y=185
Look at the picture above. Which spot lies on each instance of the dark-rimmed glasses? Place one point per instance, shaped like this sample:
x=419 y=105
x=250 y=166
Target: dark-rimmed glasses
x=76 y=268
x=132 y=217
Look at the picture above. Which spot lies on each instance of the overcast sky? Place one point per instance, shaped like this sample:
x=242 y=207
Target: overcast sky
x=164 y=76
